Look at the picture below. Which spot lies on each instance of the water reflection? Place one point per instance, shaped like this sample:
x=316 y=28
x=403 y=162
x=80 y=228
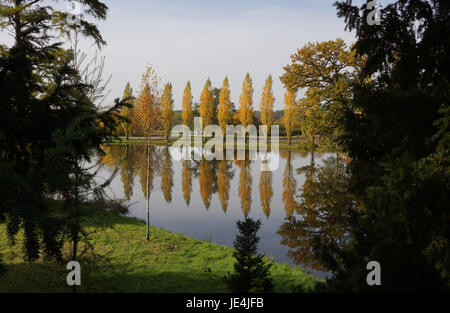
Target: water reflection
x=266 y=191
x=224 y=176
x=245 y=185
x=127 y=172
x=167 y=175
x=186 y=183
x=301 y=204
x=289 y=184
x=319 y=228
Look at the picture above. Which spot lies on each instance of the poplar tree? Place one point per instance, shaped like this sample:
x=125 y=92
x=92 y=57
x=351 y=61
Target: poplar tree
x=224 y=114
x=127 y=112
x=267 y=100
x=246 y=102
x=290 y=113
x=167 y=109
x=206 y=105
x=187 y=111
x=147 y=115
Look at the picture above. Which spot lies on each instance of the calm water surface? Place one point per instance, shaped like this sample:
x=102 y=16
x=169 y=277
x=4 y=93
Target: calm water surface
x=204 y=199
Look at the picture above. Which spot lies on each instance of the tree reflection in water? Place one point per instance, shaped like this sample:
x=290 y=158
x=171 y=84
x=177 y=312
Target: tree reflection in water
x=289 y=184
x=186 y=180
x=167 y=175
x=206 y=181
x=245 y=185
x=224 y=176
x=316 y=228
x=319 y=229
x=266 y=191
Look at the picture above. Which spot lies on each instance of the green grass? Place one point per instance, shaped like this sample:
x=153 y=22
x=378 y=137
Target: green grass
x=121 y=260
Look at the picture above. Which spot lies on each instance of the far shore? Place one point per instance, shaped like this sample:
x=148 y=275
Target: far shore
x=297 y=143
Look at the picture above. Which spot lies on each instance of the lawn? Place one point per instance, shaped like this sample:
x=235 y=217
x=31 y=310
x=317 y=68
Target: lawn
x=121 y=260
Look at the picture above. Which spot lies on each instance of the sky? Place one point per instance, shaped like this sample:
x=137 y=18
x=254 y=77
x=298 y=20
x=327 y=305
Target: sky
x=192 y=40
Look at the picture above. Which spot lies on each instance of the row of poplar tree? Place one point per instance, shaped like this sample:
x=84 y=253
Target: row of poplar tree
x=215 y=106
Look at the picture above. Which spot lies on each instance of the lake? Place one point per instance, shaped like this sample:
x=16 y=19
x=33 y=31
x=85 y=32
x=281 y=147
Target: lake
x=204 y=199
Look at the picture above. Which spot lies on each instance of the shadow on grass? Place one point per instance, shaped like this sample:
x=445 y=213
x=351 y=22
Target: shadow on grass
x=51 y=278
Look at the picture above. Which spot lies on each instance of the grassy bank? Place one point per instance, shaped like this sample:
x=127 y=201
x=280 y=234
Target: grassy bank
x=121 y=260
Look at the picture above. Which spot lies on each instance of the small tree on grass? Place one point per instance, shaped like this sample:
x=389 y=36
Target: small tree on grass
x=251 y=271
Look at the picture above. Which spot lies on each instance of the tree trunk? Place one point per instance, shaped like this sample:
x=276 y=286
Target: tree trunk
x=148 y=191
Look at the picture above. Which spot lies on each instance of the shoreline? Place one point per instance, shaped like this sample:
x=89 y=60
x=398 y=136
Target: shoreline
x=159 y=141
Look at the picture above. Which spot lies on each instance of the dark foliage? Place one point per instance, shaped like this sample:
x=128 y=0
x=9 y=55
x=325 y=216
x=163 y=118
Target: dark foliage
x=399 y=144
x=48 y=124
x=252 y=274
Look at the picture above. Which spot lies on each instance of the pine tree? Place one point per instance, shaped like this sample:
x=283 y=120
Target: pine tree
x=47 y=126
x=224 y=114
x=187 y=110
x=167 y=109
x=252 y=273
x=206 y=105
x=267 y=101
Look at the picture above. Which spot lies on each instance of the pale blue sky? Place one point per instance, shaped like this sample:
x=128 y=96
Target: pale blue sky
x=196 y=39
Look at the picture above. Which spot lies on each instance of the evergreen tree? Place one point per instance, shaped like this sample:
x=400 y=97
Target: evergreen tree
x=252 y=274
x=395 y=136
x=37 y=116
